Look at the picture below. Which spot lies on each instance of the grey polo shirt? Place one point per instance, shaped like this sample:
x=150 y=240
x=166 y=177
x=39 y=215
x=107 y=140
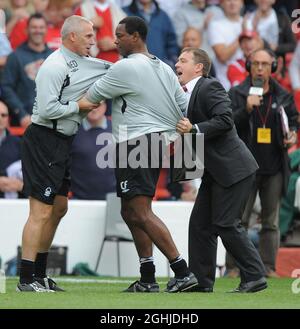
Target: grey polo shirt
x=147 y=97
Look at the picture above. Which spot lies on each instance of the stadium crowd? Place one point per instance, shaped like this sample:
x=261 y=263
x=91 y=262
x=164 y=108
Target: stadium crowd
x=228 y=30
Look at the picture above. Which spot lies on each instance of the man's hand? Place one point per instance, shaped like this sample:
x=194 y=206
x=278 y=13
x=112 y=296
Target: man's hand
x=189 y=192
x=26 y=121
x=85 y=105
x=106 y=44
x=291 y=139
x=10 y=184
x=184 y=126
x=97 y=21
x=253 y=100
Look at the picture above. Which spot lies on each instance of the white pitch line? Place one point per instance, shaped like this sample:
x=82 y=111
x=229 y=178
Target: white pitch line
x=82 y=280
x=94 y=280
x=74 y=280
x=91 y=280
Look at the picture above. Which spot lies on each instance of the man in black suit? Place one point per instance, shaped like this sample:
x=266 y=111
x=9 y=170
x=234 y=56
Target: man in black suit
x=226 y=183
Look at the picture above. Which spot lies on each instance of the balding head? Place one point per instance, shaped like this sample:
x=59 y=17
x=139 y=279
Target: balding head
x=78 y=35
x=261 y=64
x=192 y=38
x=74 y=24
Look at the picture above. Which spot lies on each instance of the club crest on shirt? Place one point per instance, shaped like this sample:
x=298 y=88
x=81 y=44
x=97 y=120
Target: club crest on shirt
x=73 y=65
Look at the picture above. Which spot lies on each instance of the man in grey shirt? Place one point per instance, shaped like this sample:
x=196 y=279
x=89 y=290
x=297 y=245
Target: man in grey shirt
x=61 y=81
x=147 y=100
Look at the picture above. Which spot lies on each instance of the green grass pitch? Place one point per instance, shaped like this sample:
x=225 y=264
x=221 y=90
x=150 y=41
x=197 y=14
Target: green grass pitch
x=105 y=293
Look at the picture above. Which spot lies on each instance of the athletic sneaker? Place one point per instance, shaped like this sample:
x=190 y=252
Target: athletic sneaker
x=181 y=285
x=31 y=287
x=139 y=286
x=48 y=283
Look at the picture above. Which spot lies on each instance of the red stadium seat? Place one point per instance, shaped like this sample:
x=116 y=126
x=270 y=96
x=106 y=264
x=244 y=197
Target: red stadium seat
x=288 y=259
x=16 y=131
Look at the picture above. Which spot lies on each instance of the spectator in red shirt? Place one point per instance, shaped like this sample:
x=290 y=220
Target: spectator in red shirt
x=56 y=12
x=249 y=41
x=105 y=15
x=17 y=10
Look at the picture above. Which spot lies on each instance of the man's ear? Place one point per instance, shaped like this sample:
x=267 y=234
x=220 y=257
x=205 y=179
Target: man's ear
x=136 y=35
x=199 y=68
x=72 y=36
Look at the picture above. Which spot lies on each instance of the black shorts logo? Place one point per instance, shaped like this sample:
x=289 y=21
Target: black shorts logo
x=123 y=186
x=48 y=192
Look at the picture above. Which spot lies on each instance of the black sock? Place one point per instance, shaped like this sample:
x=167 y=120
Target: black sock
x=41 y=264
x=179 y=267
x=26 y=271
x=147 y=270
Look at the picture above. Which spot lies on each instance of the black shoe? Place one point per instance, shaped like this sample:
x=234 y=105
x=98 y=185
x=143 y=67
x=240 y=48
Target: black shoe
x=48 y=283
x=139 y=286
x=32 y=287
x=252 y=286
x=180 y=285
x=201 y=289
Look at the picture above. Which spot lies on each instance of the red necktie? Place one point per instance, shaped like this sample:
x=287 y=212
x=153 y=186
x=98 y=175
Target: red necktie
x=184 y=88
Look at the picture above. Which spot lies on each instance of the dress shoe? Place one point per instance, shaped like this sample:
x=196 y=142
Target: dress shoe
x=251 y=286
x=201 y=289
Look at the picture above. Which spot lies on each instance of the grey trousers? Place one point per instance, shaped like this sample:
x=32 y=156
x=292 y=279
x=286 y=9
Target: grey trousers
x=270 y=191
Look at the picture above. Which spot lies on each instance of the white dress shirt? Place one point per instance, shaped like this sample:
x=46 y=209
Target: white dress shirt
x=190 y=87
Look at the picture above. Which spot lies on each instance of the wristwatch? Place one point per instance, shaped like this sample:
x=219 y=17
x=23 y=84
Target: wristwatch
x=194 y=130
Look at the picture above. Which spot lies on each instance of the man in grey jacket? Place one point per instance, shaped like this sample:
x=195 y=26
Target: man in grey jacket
x=61 y=81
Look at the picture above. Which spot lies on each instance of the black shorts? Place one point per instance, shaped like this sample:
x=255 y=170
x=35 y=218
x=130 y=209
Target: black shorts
x=133 y=181
x=46 y=163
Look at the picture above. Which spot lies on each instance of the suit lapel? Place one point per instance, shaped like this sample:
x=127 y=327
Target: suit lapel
x=193 y=98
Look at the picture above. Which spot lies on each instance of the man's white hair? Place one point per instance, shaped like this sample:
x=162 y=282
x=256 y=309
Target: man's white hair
x=73 y=24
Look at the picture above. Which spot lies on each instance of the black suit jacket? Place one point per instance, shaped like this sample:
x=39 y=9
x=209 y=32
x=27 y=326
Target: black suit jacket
x=226 y=157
